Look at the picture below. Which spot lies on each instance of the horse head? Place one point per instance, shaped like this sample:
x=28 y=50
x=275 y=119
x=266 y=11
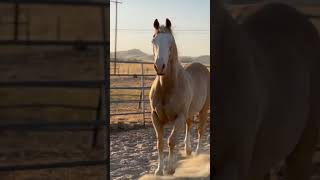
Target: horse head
x=162 y=42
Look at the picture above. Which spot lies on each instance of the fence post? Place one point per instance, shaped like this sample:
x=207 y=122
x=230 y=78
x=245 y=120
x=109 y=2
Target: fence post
x=142 y=92
x=140 y=98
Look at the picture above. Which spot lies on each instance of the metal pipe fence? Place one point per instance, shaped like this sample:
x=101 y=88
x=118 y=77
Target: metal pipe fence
x=142 y=101
x=101 y=109
x=58 y=165
x=58 y=2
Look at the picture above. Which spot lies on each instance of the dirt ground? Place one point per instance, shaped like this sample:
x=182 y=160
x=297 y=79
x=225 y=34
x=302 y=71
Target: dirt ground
x=133 y=153
x=25 y=148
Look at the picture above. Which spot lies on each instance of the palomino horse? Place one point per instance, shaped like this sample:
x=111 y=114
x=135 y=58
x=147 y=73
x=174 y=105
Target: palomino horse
x=176 y=94
x=266 y=93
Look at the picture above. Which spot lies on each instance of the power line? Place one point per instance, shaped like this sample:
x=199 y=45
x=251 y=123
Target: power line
x=116 y=2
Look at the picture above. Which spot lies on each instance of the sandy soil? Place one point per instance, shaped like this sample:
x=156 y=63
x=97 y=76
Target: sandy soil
x=191 y=168
x=133 y=153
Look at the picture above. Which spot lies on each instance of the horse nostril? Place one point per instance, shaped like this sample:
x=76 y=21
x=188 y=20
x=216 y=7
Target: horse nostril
x=163 y=66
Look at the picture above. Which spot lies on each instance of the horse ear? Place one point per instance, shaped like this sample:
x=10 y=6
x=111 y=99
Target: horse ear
x=156 y=24
x=168 y=23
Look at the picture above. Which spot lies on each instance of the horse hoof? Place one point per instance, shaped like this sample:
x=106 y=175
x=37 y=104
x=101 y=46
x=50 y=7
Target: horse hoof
x=158 y=172
x=197 y=152
x=170 y=171
x=188 y=152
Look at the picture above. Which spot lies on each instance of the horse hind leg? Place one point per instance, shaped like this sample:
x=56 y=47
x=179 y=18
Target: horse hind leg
x=203 y=117
x=187 y=146
x=299 y=162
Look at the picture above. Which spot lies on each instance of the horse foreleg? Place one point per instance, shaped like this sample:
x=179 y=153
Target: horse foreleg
x=187 y=146
x=179 y=123
x=159 y=133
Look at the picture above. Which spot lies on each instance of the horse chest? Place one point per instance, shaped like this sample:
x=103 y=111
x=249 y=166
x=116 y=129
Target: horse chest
x=171 y=112
x=168 y=111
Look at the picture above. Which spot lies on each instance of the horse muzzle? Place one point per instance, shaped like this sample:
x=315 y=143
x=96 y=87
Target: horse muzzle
x=160 y=69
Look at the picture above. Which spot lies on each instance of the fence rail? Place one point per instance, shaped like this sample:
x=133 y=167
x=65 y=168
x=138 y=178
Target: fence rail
x=57 y=2
x=52 y=43
x=101 y=109
x=78 y=84
x=50 y=126
x=52 y=165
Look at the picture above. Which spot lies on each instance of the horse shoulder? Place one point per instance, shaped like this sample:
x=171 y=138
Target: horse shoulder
x=153 y=93
x=184 y=88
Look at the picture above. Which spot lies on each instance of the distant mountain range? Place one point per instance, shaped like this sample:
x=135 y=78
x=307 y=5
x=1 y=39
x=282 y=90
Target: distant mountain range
x=138 y=55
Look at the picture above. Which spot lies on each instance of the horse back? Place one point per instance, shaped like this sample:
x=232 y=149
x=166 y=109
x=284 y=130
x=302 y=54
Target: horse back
x=286 y=68
x=198 y=70
x=199 y=74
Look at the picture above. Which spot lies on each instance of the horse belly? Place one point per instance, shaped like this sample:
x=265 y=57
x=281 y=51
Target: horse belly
x=196 y=106
x=201 y=92
x=199 y=99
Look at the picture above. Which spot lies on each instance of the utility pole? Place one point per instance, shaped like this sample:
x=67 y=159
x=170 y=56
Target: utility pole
x=115 y=37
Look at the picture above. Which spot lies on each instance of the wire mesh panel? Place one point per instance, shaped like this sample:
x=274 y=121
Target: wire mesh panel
x=53 y=91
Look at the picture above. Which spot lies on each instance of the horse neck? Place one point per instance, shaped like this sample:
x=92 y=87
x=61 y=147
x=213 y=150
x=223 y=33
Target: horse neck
x=169 y=80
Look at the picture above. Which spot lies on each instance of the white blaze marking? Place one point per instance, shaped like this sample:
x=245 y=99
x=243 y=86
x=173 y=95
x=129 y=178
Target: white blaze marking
x=161 y=45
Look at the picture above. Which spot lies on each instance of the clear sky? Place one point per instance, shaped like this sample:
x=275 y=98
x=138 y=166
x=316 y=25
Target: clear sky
x=190 y=21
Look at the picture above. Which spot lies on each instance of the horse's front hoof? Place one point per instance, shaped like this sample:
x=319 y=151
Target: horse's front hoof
x=170 y=171
x=158 y=172
x=197 y=152
x=188 y=151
